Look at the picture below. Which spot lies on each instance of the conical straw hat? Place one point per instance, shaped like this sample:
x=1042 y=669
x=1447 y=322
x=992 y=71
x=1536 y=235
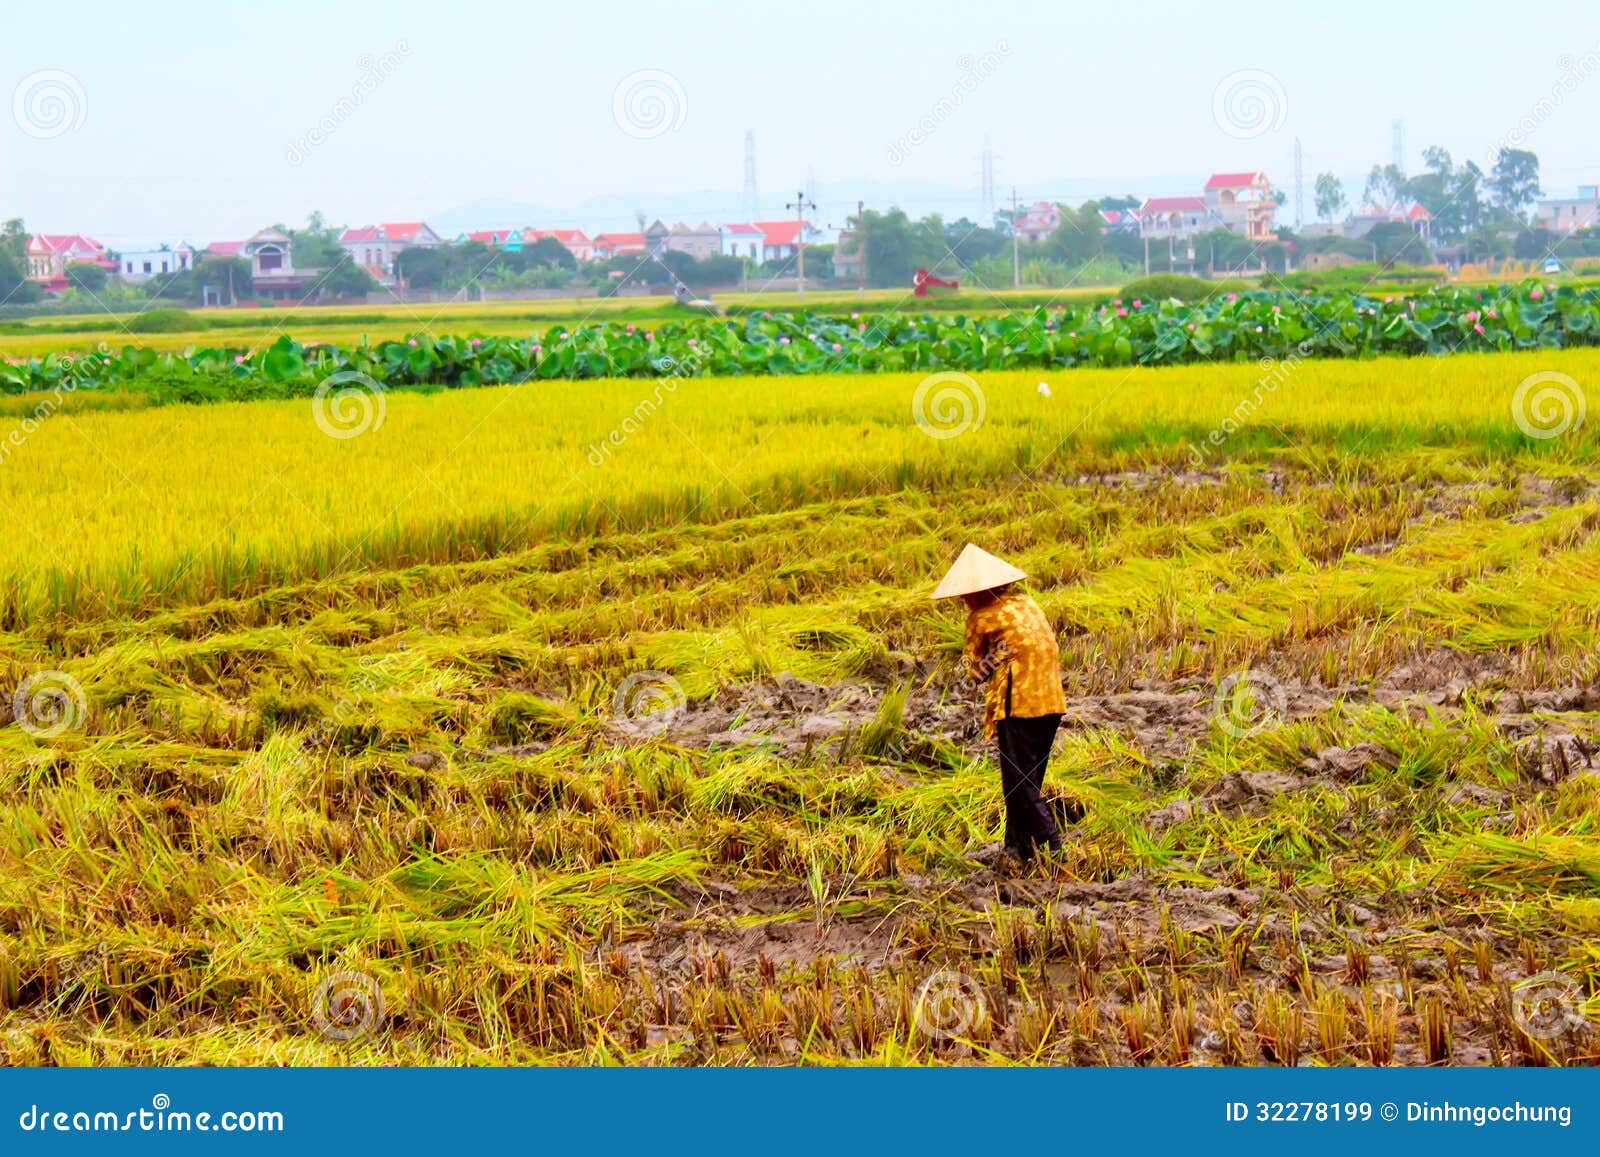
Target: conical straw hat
x=976 y=570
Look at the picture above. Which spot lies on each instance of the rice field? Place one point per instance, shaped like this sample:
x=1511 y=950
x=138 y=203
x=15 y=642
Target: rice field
x=610 y=723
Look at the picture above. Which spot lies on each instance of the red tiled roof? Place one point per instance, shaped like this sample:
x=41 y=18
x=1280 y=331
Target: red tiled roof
x=743 y=228
x=225 y=248
x=1419 y=212
x=1171 y=204
x=614 y=239
x=779 y=232
x=401 y=230
x=491 y=236
x=367 y=233
x=1233 y=180
x=56 y=242
x=565 y=236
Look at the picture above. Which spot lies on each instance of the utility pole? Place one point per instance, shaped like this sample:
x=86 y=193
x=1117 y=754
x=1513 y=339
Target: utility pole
x=801 y=205
x=1016 y=253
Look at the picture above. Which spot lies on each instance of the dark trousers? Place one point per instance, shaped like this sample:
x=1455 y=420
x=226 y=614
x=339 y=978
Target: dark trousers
x=1024 y=754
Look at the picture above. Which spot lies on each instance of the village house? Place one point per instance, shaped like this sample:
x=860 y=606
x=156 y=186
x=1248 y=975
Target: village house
x=49 y=254
x=742 y=239
x=1569 y=214
x=781 y=239
x=136 y=265
x=1119 y=221
x=655 y=238
x=704 y=240
x=375 y=247
x=1242 y=203
x=508 y=239
x=272 y=270
x=1172 y=218
x=848 y=259
x=1360 y=223
x=574 y=241
x=1038 y=221
x=609 y=245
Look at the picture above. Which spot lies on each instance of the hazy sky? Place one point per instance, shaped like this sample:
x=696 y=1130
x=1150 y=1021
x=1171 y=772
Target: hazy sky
x=204 y=121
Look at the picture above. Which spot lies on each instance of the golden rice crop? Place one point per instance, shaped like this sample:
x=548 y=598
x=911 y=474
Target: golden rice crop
x=177 y=502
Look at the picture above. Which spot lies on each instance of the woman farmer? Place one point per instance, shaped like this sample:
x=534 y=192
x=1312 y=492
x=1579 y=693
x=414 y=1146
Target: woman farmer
x=1011 y=645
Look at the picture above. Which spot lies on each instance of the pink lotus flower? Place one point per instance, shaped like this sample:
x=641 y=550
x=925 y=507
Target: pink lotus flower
x=476 y=342
x=1191 y=327
x=783 y=341
x=1137 y=303
x=1490 y=313
x=837 y=347
x=412 y=343
x=1472 y=315
x=648 y=336
x=692 y=341
x=238 y=359
x=853 y=316
x=1118 y=301
x=1478 y=328
x=537 y=347
x=1537 y=293
x=1122 y=313
x=1233 y=297
x=764 y=313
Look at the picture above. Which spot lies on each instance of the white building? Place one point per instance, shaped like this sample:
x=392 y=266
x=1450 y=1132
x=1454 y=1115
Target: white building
x=741 y=239
x=1569 y=214
x=142 y=264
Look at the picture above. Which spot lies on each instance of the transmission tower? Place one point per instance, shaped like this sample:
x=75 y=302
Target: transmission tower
x=752 y=203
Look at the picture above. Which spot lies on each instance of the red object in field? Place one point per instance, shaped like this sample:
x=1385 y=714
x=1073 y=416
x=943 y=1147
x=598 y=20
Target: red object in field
x=923 y=281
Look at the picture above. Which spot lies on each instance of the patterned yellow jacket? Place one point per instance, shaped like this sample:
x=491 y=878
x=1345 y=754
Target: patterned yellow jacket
x=1011 y=644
